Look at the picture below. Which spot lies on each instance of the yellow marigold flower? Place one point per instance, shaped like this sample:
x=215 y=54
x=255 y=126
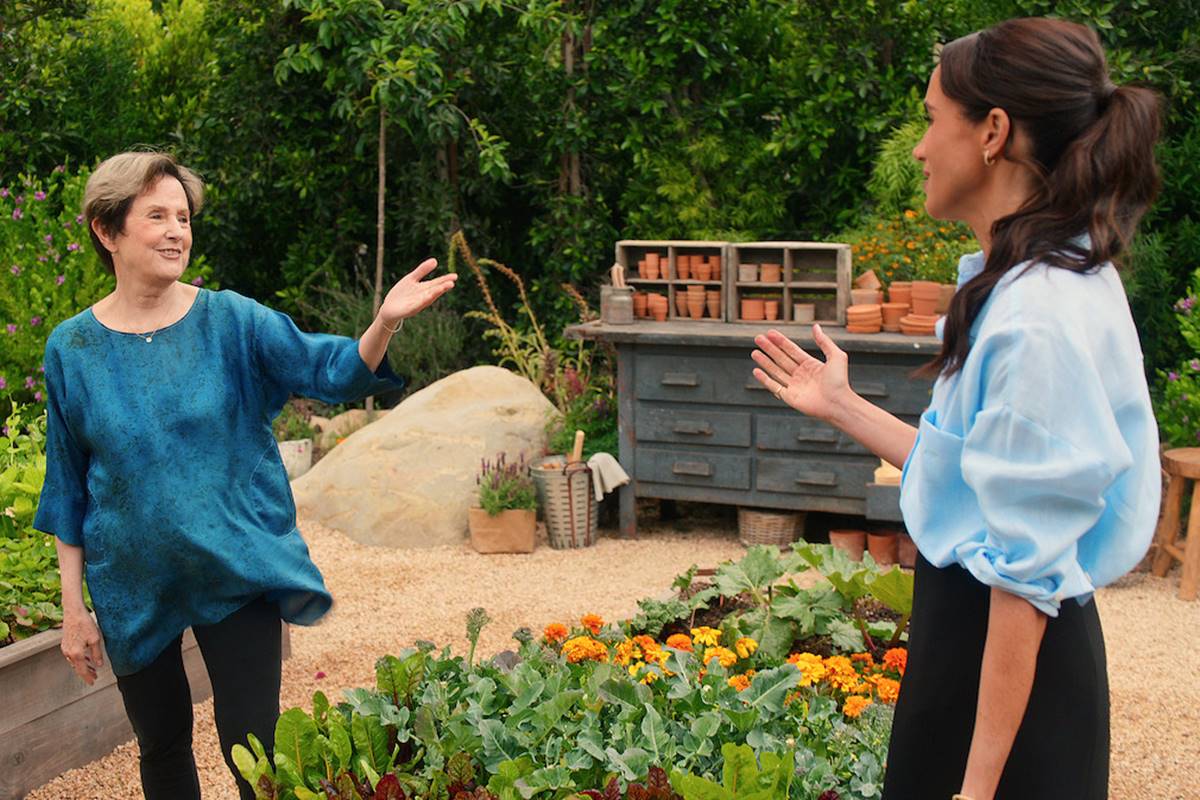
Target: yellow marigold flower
x=706 y=636
x=680 y=641
x=746 y=647
x=555 y=632
x=584 y=648
x=739 y=682
x=896 y=659
x=887 y=689
x=593 y=622
x=910 y=214
x=724 y=655
x=841 y=674
x=624 y=652
x=855 y=705
x=650 y=677
x=812 y=668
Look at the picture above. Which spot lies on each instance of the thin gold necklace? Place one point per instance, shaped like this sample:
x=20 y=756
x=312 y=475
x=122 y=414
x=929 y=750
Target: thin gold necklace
x=149 y=337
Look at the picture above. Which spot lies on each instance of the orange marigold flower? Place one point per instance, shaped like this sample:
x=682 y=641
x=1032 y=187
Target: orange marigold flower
x=841 y=674
x=855 y=705
x=910 y=214
x=866 y=659
x=887 y=689
x=593 y=622
x=896 y=659
x=739 y=682
x=812 y=668
x=624 y=652
x=745 y=647
x=584 y=648
x=680 y=641
x=726 y=657
x=555 y=632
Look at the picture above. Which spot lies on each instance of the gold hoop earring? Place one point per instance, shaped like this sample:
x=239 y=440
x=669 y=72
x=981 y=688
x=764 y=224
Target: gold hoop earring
x=987 y=159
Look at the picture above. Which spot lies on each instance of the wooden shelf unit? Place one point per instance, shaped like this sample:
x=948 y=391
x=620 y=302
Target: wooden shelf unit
x=630 y=251
x=808 y=268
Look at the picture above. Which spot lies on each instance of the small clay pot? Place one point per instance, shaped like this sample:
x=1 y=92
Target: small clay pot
x=652 y=271
x=752 y=308
x=747 y=273
x=652 y=259
x=695 y=308
x=715 y=261
x=906 y=550
x=944 y=298
x=771 y=309
x=866 y=296
x=639 y=304
x=683 y=267
x=770 y=273
x=883 y=547
x=681 y=303
x=713 y=304
x=804 y=312
x=900 y=292
x=852 y=541
x=892 y=313
x=641 y=269
x=702 y=271
x=868 y=280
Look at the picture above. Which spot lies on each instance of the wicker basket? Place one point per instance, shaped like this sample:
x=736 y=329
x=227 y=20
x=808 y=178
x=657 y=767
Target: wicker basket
x=779 y=528
x=568 y=504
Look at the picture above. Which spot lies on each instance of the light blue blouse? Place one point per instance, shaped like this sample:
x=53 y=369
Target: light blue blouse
x=1036 y=465
x=161 y=464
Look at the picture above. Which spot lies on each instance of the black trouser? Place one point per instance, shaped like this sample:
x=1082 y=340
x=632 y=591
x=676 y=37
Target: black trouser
x=242 y=654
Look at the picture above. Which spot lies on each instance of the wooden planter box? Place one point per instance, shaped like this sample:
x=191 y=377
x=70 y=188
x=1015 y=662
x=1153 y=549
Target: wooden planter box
x=630 y=251
x=53 y=722
x=816 y=270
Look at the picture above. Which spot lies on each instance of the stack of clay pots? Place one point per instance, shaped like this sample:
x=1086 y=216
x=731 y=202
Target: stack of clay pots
x=652 y=267
x=656 y=305
x=925 y=296
x=697 y=300
x=918 y=324
x=864 y=318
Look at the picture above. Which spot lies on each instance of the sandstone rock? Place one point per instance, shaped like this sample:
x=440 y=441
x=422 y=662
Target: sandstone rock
x=341 y=426
x=407 y=479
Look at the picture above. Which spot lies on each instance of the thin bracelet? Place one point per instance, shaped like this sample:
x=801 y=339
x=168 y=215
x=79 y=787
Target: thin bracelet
x=960 y=797
x=392 y=331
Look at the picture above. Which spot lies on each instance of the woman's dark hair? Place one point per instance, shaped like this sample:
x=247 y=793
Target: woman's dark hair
x=1092 y=152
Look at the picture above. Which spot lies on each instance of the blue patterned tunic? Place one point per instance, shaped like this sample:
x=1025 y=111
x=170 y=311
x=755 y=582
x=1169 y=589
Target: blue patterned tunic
x=161 y=464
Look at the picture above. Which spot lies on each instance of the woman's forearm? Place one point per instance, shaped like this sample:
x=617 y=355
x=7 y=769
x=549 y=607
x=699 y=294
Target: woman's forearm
x=70 y=571
x=1014 y=637
x=881 y=432
x=373 y=344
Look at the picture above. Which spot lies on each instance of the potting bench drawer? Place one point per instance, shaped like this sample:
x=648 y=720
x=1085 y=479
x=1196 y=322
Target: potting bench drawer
x=692 y=426
x=684 y=468
x=794 y=432
x=835 y=477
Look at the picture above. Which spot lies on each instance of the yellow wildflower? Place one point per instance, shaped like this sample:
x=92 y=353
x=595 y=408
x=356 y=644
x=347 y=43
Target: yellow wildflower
x=746 y=647
x=855 y=705
x=706 y=636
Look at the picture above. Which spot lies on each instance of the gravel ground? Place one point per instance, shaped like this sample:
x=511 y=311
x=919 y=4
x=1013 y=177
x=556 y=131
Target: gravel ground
x=386 y=599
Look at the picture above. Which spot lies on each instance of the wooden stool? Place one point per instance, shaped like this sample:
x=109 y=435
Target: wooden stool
x=1182 y=465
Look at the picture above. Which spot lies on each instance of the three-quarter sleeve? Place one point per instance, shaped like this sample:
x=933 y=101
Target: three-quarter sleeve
x=1040 y=455
x=63 y=502
x=317 y=365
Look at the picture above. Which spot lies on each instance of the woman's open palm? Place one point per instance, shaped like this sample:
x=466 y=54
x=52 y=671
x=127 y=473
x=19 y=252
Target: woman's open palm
x=412 y=293
x=805 y=383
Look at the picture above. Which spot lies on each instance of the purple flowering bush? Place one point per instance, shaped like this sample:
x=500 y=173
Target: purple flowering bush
x=48 y=273
x=1177 y=395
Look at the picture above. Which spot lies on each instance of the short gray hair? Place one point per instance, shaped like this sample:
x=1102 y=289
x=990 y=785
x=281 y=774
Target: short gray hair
x=118 y=181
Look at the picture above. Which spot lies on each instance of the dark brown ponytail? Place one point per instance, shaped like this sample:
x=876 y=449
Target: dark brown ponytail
x=1093 y=153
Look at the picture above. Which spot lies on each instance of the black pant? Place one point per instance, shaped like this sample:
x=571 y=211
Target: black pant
x=1061 y=748
x=242 y=654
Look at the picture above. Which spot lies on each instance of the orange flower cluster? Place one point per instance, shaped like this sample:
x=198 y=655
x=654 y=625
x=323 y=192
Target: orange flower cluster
x=555 y=632
x=911 y=246
x=680 y=641
x=857 y=679
x=584 y=648
x=593 y=622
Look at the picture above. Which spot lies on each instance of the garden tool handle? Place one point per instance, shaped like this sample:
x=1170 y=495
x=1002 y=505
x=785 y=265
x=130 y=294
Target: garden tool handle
x=577 y=452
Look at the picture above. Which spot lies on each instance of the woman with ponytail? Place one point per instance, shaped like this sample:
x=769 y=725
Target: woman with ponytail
x=1033 y=477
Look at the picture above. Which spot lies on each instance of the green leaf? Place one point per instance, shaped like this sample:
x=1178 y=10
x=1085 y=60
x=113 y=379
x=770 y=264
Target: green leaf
x=758 y=569
x=296 y=739
x=846 y=636
x=370 y=742
x=655 y=737
x=894 y=589
x=769 y=688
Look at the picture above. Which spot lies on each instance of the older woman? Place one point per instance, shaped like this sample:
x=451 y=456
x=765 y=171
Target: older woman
x=1033 y=476
x=164 y=485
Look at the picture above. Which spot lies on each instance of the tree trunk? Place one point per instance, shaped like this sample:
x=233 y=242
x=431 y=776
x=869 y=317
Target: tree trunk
x=379 y=227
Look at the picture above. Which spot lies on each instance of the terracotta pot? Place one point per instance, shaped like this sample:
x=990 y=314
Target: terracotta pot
x=752 y=308
x=804 y=312
x=868 y=280
x=715 y=261
x=639 y=304
x=651 y=271
x=681 y=303
x=945 y=296
x=906 y=550
x=512 y=531
x=866 y=296
x=900 y=292
x=660 y=313
x=770 y=273
x=925 y=296
x=683 y=267
x=883 y=547
x=702 y=271
x=652 y=259
x=892 y=313
x=713 y=304
x=852 y=541
x=771 y=309
x=641 y=269
x=695 y=308
x=747 y=273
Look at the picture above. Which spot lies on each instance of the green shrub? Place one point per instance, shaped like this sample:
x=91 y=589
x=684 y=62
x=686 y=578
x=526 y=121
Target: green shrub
x=910 y=246
x=1177 y=393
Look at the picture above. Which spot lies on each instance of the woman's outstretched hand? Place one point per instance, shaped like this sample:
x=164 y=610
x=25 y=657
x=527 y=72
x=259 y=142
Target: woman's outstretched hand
x=412 y=293
x=811 y=386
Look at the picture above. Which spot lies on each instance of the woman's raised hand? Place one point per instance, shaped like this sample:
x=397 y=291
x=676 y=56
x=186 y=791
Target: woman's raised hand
x=807 y=384
x=412 y=293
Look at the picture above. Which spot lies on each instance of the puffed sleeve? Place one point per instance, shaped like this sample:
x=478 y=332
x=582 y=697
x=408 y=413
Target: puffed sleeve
x=63 y=500
x=318 y=365
x=1040 y=456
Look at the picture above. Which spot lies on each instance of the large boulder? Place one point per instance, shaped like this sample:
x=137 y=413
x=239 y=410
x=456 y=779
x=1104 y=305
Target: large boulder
x=407 y=479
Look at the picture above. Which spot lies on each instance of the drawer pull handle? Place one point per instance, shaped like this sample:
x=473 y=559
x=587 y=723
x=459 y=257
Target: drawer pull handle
x=872 y=389
x=817 y=436
x=693 y=428
x=818 y=478
x=754 y=387
x=700 y=469
x=680 y=379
